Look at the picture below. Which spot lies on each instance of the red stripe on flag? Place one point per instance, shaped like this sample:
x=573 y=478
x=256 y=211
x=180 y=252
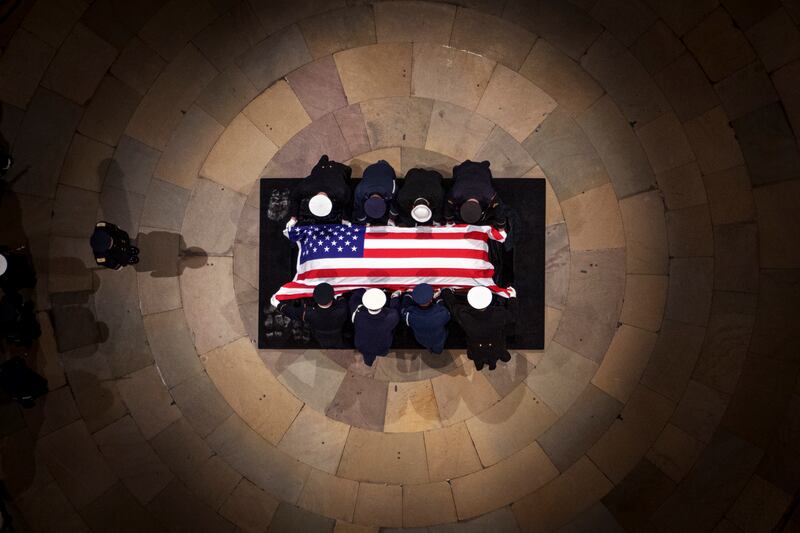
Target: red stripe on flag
x=423 y=252
x=396 y=272
x=426 y=236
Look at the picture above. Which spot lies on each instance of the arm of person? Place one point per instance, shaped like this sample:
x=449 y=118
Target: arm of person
x=294 y=309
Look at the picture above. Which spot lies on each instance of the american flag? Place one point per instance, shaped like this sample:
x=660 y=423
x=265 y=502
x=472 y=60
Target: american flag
x=350 y=257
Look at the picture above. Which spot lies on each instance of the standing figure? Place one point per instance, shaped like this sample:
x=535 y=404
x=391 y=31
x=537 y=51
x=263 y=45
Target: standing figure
x=322 y=197
x=374 y=196
x=472 y=198
x=427 y=316
x=112 y=246
x=420 y=199
x=485 y=325
x=16 y=271
x=374 y=322
x=326 y=316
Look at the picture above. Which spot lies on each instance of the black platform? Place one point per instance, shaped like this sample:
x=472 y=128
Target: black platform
x=523 y=267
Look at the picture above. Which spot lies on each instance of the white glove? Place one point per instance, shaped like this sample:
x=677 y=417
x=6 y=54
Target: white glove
x=291 y=223
x=395 y=294
x=346 y=223
x=437 y=293
x=390 y=222
x=512 y=292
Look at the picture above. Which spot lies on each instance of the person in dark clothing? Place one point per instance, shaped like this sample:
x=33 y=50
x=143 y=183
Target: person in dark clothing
x=374 y=322
x=112 y=246
x=420 y=199
x=427 y=316
x=373 y=201
x=18 y=322
x=6 y=162
x=326 y=316
x=322 y=197
x=486 y=324
x=21 y=383
x=16 y=271
x=472 y=198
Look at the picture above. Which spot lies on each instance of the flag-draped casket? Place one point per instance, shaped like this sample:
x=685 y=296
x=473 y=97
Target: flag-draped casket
x=349 y=257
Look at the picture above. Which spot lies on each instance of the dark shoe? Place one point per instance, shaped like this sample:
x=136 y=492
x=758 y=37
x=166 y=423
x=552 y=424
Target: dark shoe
x=134 y=250
x=506 y=357
x=492 y=365
x=479 y=365
x=133 y=260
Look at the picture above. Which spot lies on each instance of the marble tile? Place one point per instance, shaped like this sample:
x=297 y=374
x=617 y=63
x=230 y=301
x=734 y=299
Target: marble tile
x=226 y=95
x=746 y=90
x=645 y=234
x=450 y=453
x=675 y=452
x=379 y=505
x=318 y=87
x=212 y=202
x=56 y=412
x=639 y=495
x=625 y=362
x=665 y=143
x=164 y=206
x=117 y=510
x=249 y=507
x=769 y=148
x=171 y=343
x=700 y=411
x=560 y=376
x=394 y=458
x=417 y=157
x=579 y=427
x=618 y=147
x=360 y=401
x=760 y=506
x=509 y=158
x=311 y=376
x=315 y=440
x=86 y=164
x=686 y=87
x=243 y=381
x=277 y=113
x=657 y=47
x=299 y=155
x=411 y=407
x=730 y=197
x=645 y=297
x=138 y=65
x=188 y=148
x=785 y=80
x=713 y=141
x=673 y=359
x=51 y=21
x=328 y=495
x=109 y=111
x=132 y=167
x=736 y=254
x=455 y=131
x=450 y=75
x=775 y=213
x=399 y=121
x=776 y=318
x=689 y=293
x=201 y=404
x=417 y=22
x=507 y=377
x=593 y=220
x=175 y=24
x=595 y=517
x=682 y=186
x=175 y=508
x=74 y=211
x=49 y=510
x=353 y=129
x=462 y=394
x=627 y=21
x=555 y=504
x=502 y=483
x=132 y=459
x=148 y=400
x=625 y=80
x=340 y=29
x=393 y=156
x=719 y=46
x=492 y=37
x=227 y=37
x=689 y=232
x=590 y=316
x=122 y=207
x=22 y=66
x=375 y=71
x=68 y=272
x=428 y=505
x=514 y=103
x=746 y=14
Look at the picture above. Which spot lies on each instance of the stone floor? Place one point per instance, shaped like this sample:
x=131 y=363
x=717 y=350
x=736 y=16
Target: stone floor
x=667 y=397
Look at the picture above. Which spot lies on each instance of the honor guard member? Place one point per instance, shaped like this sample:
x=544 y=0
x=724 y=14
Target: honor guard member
x=472 y=198
x=16 y=271
x=6 y=162
x=322 y=197
x=374 y=322
x=374 y=196
x=326 y=315
x=485 y=325
x=112 y=246
x=427 y=316
x=420 y=199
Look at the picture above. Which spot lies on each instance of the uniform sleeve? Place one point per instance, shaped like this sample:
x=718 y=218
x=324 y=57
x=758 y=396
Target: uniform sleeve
x=293 y=309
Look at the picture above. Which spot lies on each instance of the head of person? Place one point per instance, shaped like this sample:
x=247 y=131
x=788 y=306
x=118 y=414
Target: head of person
x=101 y=242
x=320 y=205
x=323 y=295
x=373 y=300
x=471 y=211
x=3 y=264
x=421 y=211
x=422 y=295
x=479 y=297
x=375 y=206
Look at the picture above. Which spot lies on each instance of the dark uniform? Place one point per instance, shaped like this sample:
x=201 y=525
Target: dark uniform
x=425 y=184
x=112 y=246
x=18 y=322
x=473 y=180
x=429 y=324
x=326 y=323
x=378 y=179
x=373 y=333
x=329 y=177
x=19 y=273
x=486 y=329
x=6 y=162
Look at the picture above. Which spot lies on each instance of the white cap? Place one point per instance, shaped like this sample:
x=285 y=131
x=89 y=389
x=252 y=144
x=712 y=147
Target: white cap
x=320 y=205
x=3 y=264
x=421 y=213
x=373 y=299
x=479 y=297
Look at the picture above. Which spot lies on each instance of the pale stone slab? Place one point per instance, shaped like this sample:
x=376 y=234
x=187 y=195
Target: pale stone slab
x=775 y=39
x=277 y=113
x=689 y=232
x=746 y=90
x=557 y=257
x=719 y=46
x=768 y=144
x=164 y=206
x=245 y=383
x=360 y=401
x=188 y=148
x=657 y=47
x=318 y=87
x=560 y=376
x=510 y=425
x=645 y=298
x=58 y=411
x=393 y=156
x=730 y=195
x=492 y=37
x=665 y=143
x=595 y=517
x=760 y=506
x=411 y=407
x=455 y=131
x=48 y=509
x=776 y=215
x=117 y=510
x=353 y=129
x=399 y=121
x=689 y=293
x=315 y=440
x=109 y=111
x=637 y=497
x=211 y=216
x=299 y=155
x=514 y=103
x=713 y=141
x=558 y=502
x=201 y=403
x=133 y=166
x=700 y=411
x=171 y=343
x=68 y=268
x=625 y=20
x=509 y=159
x=22 y=65
x=682 y=186
x=52 y=21
x=229 y=36
x=176 y=508
x=785 y=80
x=450 y=75
x=311 y=376
x=249 y=507
x=379 y=505
x=74 y=211
x=645 y=233
x=175 y=24
x=86 y=164
x=329 y=495
x=239 y=155
x=396 y=458
x=375 y=71
x=451 y=453
x=686 y=87
x=673 y=358
x=340 y=29
x=428 y=505
x=138 y=65
x=593 y=220
x=675 y=452
x=625 y=361
x=122 y=207
x=148 y=400
x=618 y=147
x=417 y=22
x=462 y=394
x=161 y=110
x=502 y=483
x=227 y=95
